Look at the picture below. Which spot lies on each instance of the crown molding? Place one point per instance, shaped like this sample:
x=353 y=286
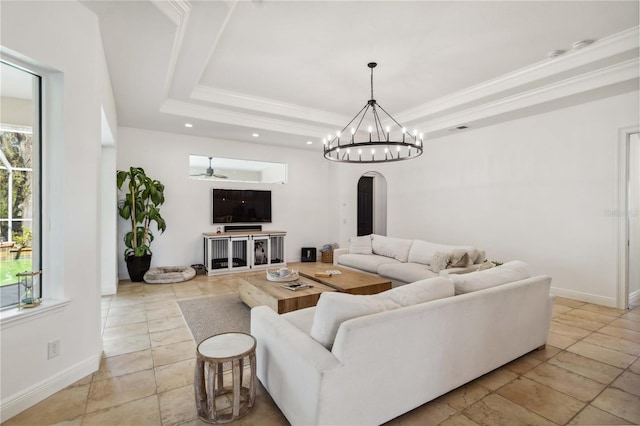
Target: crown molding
x=600 y=50
x=226 y=116
x=268 y=106
x=227 y=18
x=603 y=63
x=178 y=11
x=175 y=10
x=628 y=71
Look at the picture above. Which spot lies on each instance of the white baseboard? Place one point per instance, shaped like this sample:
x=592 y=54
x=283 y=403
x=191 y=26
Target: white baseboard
x=584 y=297
x=634 y=298
x=19 y=402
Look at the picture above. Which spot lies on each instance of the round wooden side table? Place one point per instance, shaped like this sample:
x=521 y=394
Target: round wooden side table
x=212 y=354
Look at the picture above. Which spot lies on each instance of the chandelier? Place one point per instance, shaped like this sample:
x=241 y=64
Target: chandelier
x=384 y=139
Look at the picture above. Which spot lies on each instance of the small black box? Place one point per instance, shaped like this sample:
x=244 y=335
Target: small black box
x=308 y=254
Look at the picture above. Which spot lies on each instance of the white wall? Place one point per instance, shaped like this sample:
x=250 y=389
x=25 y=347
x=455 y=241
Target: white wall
x=108 y=196
x=536 y=189
x=64 y=38
x=299 y=207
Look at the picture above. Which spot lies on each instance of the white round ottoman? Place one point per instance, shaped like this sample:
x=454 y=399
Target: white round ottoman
x=169 y=274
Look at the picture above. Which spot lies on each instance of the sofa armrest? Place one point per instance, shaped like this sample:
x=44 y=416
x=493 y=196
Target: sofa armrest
x=337 y=253
x=290 y=365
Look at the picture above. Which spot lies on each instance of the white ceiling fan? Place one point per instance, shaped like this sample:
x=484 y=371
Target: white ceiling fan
x=210 y=172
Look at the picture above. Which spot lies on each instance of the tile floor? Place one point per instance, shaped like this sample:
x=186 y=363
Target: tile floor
x=589 y=372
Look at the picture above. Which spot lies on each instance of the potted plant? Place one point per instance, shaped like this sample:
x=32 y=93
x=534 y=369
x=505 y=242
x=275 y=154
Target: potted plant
x=141 y=206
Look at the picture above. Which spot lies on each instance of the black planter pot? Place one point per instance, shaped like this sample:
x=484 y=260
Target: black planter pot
x=137 y=266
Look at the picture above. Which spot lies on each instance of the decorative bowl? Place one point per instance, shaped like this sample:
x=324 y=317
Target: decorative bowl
x=282 y=275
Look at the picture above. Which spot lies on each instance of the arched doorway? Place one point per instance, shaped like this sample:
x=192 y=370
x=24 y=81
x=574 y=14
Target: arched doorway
x=372 y=204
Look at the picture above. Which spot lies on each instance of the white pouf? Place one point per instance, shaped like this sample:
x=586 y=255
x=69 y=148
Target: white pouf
x=169 y=274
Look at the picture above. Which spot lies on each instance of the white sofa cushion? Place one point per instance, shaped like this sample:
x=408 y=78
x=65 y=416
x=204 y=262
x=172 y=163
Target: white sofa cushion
x=365 y=262
x=405 y=272
x=335 y=308
x=302 y=319
x=419 y=291
x=396 y=248
x=360 y=245
x=515 y=270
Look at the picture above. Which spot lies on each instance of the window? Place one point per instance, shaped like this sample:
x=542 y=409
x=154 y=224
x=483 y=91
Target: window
x=20 y=196
x=236 y=170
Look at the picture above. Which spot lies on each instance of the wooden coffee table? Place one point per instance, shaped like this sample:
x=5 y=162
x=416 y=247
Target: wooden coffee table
x=256 y=290
x=349 y=281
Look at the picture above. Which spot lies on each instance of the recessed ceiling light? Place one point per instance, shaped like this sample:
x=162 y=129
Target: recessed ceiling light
x=188 y=125
x=255 y=135
x=309 y=142
x=582 y=43
x=555 y=53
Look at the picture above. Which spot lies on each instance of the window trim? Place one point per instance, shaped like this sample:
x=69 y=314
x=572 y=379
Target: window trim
x=49 y=88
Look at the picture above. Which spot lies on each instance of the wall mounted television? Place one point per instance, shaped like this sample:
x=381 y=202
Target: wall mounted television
x=240 y=206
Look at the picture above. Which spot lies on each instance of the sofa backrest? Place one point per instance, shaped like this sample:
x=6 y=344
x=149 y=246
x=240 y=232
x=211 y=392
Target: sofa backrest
x=434 y=347
x=397 y=248
x=473 y=281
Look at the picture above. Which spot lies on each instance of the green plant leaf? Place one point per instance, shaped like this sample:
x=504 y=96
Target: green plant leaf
x=125 y=211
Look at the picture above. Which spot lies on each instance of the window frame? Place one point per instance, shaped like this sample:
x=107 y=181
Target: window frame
x=37 y=164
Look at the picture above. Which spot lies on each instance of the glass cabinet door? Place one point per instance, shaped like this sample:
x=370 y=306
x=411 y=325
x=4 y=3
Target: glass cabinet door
x=260 y=250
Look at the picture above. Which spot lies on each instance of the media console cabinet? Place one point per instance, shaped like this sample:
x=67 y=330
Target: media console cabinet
x=243 y=250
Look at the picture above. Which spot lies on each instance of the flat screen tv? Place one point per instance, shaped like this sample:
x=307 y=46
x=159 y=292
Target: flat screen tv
x=241 y=206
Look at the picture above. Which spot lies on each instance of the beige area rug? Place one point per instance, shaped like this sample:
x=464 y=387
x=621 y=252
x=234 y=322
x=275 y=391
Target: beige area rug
x=207 y=316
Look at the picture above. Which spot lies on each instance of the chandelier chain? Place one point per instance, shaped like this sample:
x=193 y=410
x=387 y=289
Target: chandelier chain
x=372 y=84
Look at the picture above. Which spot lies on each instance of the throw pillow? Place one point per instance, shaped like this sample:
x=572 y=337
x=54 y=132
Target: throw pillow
x=485 y=265
x=459 y=258
x=335 y=308
x=419 y=292
x=360 y=245
x=473 y=281
x=439 y=261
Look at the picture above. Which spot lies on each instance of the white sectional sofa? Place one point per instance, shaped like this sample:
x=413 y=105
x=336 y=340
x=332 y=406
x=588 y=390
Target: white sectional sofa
x=405 y=261
x=364 y=360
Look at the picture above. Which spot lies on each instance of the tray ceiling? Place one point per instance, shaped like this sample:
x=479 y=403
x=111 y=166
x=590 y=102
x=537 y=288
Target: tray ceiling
x=292 y=71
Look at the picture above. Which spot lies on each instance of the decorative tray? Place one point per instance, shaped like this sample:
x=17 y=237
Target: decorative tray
x=282 y=275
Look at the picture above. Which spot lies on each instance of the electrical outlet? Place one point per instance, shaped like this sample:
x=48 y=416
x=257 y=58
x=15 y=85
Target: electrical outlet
x=54 y=349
